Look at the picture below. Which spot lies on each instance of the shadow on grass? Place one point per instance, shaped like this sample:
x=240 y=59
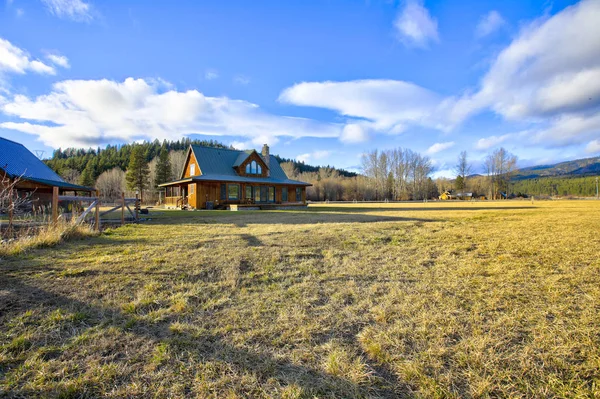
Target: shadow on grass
x=18 y=296
x=244 y=218
x=325 y=209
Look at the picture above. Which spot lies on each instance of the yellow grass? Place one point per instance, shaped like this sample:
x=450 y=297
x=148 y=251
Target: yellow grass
x=428 y=300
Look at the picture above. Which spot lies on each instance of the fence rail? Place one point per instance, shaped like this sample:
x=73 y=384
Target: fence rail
x=95 y=206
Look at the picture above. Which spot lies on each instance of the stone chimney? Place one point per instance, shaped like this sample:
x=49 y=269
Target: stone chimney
x=267 y=157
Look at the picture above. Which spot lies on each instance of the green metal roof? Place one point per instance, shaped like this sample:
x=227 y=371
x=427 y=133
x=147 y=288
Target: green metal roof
x=218 y=164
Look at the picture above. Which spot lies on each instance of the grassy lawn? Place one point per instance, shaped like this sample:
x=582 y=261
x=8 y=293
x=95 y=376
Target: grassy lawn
x=415 y=300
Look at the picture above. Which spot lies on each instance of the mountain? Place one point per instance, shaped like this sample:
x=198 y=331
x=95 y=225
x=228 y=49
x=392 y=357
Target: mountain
x=578 y=167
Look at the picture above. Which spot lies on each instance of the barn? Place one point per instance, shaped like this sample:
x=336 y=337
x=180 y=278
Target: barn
x=221 y=177
x=31 y=178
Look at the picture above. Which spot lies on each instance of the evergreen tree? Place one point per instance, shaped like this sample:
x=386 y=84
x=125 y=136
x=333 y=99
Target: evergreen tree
x=89 y=174
x=163 y=167
x=138 y=171
x=460 y=182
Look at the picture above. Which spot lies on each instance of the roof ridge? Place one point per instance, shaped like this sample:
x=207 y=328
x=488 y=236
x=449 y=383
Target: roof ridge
x=12 y=141
x=216 y=148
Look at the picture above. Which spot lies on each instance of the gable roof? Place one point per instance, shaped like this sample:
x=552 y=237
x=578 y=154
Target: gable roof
x=18 y=162
x=218 y=164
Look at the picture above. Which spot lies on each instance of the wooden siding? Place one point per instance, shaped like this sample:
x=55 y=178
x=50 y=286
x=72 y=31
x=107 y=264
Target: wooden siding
x=191 y=160
x=241 y=170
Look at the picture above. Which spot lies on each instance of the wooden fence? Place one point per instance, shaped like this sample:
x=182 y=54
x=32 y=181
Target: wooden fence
x=94 y=205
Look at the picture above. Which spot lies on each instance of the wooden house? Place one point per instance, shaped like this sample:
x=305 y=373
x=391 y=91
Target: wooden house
x=220 y=177
x=31 y=178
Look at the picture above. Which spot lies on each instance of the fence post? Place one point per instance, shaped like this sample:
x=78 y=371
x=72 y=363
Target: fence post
x=97 y=210
x=122 y=209
x=137 y=204
x=55 y=205
x=11 y=211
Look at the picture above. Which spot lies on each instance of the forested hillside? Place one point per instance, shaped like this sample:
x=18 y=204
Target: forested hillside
x=559 y=186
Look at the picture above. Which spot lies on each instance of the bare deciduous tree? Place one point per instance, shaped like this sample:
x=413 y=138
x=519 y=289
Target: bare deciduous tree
x=111 y=183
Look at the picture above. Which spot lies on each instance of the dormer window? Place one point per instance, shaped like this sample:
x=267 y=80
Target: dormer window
x=253 y=168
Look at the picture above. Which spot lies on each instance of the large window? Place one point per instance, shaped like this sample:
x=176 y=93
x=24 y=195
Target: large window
x=234 y=191
x=284 y=194
x=298 y=194
x=248 y=192
x=253 y=168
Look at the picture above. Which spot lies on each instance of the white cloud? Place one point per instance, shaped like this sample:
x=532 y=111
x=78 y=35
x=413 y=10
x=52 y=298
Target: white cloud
x=489 y=24
x=387 y=105
x=93 y=112
x=59 y=60
x=16 y=60
x=439 y=147
x=488 y=142
x=315 y=155
x=414 y=26
x=593 y=147
x=354 y=133
x=211 y=74
x=75 y=10
x=303 y=158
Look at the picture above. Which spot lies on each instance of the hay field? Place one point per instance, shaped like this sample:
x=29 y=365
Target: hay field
x=436 y=300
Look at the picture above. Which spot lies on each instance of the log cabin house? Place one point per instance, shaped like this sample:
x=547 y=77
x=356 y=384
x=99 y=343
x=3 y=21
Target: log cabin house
x=31 y=178
x=221 y=177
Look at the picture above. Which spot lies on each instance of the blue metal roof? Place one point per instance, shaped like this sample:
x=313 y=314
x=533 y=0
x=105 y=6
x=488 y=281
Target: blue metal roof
x=217 y=164
x=18 y=161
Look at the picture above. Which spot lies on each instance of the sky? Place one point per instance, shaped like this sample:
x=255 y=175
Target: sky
x=319 y=81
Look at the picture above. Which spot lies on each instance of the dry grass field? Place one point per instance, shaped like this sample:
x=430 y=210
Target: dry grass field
x=434 y=300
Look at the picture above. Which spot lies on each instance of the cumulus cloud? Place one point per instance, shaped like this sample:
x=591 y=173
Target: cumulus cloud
x=93 y=112
x=548 y=77
x=439 y=147
x=76 y=10
x=15 y=60
x=58 y=60
x=489 y=24
x=414 y=25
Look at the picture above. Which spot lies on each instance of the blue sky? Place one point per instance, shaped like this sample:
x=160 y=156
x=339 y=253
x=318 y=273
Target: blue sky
x=320 y=81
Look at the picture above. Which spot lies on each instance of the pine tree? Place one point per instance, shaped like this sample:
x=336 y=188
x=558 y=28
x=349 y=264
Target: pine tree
x=88 y=176
x=138 y=171
x=163 y=167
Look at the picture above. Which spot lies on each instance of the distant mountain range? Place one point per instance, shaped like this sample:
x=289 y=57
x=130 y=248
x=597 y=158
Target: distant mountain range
x=578 y=167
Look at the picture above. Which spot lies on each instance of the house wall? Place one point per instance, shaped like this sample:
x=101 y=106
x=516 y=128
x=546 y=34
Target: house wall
x=241 y=170
x=211 y=191
x=188 y=166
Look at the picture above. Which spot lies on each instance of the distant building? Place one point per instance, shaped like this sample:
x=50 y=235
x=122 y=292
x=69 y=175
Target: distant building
x=32 y=178
x=219 y=177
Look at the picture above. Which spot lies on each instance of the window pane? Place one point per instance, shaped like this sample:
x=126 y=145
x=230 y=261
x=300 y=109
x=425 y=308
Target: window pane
x=248 y=168
x=192 y=188
x=234 y=191
x=263 y=194
x=284 y=194
x=253 y=167
x=258 y=169
x=192 y=169
x=256 y=194
x=249 y=192
x=223 y=191
x=298 y=194
x=271 y=194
